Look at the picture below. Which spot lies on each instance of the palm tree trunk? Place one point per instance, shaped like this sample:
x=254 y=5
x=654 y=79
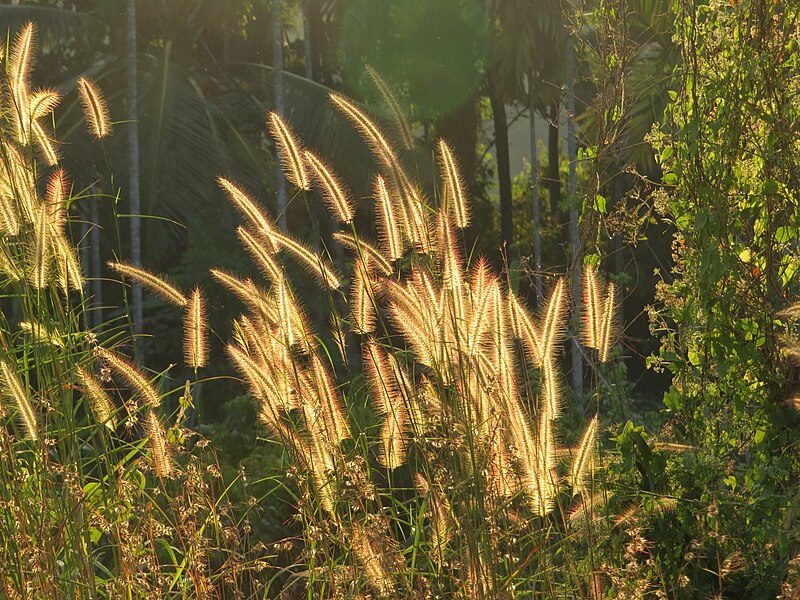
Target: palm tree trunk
x=553 y=176
x=503 y=170
x=277 y=64
x=574 y=215
x=537 y=235
x=133 y=165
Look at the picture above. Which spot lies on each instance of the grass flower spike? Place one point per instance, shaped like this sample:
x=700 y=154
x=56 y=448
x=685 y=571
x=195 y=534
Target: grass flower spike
x=94 y=108
x=289 y=151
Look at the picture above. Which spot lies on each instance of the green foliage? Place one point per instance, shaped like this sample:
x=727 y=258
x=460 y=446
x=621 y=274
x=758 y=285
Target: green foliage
x=731 y=195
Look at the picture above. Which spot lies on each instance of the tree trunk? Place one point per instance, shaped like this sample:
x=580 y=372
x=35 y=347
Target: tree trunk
x=277 y=64
x=537 y=235
x=574 y=216
x=133 y=167
x=553 y=176
x=503 y=171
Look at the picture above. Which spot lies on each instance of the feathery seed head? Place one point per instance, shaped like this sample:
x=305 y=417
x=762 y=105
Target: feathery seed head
x=609 y=326
x=376 y=258
x=42 y=335
x=554 y=319
x=19 y=67
x=584 y=460
x=150 y=281
x=362 y=299
x=45 y=143
x=372 y=134
x=390 y=228
x=289 y=151
x=94 y=109
x=592 y=308
x=196 y=343
x=333 y=191
x=162 y=457
x=398 y=114
x=39 y=256
x=453 y=193
x=388 y=395
x=57 y=191
x=42 y=103
x=13 y=388
x=247 y=292
x=262 y=253
x=68 y=266
x=249 y=209
x=312 y=261
x=100 y=402
x=132 y=376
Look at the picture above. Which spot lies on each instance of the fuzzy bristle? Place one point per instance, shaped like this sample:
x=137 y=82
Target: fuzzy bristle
x=57 y=191
x=388 y=398
x=607 y=333
x=100 y=402
x=375 y=553
x=362 y=300
x=398 y=114
x=373 y=136
x=21 y=183
x=43 y=102
x=151 y=281
x=162 y=457
x=417 y=221
x=454 y=196
x=584 y=460
x=246 y=291
x=68 y=265
x=524 y=329
x=132 y=376
x=94 y=109
x=554 y=320
x=333 y=191
x=289 y=151
x=196 y=343
x=248 y=208
x=39 y=257
x=14 y=389
x=591 y=308
x=330 y=403
x=375 y=256
x=45 y=143
x=41 y=334
x=262 y=253
x=390 y=229
x=19 y=67
x=311 y=260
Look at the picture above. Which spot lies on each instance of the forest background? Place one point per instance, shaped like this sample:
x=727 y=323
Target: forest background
x=664 y=140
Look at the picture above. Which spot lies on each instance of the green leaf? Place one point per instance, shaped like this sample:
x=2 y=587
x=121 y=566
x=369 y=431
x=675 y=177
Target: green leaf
x=670 y=178
x=769 y=187
x=95 y=534
x=600 y=204
x=785 y=234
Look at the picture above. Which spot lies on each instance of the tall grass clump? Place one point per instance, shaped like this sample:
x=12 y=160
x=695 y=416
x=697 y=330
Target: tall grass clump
x=104 y=493
x=431 y=465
